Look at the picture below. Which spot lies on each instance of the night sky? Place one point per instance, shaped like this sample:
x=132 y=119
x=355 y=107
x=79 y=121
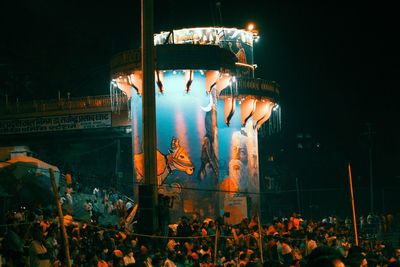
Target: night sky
x=337 y=64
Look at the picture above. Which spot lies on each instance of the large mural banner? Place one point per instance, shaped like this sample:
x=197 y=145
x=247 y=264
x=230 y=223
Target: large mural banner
x=205 y=156
x=238 y=161
x=187 y=164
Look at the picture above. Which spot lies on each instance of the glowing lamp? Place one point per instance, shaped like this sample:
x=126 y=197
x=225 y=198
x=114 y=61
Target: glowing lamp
x=250 y=27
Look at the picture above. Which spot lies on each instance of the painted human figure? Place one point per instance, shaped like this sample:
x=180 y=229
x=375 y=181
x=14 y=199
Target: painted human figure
x=240 y=54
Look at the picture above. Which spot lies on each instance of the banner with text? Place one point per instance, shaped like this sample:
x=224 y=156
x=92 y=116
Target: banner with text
x=56 y=123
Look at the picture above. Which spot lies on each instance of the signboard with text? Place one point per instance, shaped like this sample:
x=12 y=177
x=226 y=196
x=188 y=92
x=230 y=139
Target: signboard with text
x=56 y=123
x=237 y=207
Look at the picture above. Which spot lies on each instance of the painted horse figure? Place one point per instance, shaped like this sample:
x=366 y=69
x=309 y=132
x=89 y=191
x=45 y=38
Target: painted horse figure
x=176 y=159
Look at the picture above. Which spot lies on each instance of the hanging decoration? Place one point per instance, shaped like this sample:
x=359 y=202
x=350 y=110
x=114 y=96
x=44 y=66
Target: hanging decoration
x=262 y=107
x=247 y=109
x=160 y=81
x=211 y=79
x=188 y=79
x=116 y=97
x=223 y=81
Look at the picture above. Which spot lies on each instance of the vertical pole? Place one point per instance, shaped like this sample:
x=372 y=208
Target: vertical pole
x=61 y=217
x=216 y=245
x=260 y=240
x=353 y=208
x=149 y=107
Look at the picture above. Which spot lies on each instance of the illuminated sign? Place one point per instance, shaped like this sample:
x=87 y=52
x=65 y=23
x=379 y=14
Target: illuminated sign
x=239 y=42
x=56 y=123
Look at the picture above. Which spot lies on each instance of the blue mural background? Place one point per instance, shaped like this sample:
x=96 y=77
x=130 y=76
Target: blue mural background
x=186 y=117
x=218 y=154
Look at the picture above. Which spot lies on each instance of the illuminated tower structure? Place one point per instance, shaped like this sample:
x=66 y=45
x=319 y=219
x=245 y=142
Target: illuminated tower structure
x=209 y=108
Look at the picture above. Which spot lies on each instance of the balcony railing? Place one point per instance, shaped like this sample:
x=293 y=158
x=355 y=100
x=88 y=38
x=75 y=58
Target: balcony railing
x=63 y=104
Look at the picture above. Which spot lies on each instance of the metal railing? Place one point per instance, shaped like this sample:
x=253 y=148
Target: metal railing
x=62 y=104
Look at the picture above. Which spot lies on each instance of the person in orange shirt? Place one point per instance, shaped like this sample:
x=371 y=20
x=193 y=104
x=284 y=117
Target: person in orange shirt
x=294 y=222
x=68 y=179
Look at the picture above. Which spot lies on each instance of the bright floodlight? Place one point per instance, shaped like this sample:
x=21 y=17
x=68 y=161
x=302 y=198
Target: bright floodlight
x=250 y=27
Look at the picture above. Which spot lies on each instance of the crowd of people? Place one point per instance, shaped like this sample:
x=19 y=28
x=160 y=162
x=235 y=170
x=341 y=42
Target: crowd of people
x=34 y=238
x=102 y=206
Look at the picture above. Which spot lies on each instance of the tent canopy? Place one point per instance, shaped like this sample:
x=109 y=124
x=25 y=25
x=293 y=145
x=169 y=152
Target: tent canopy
x=27 y=180
x=26 y=164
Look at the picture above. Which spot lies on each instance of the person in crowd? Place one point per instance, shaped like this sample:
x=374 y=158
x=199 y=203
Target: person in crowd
x=129 y=257
x=39 y=256
x=189 y=243
x=13 y=244
x=325 y=256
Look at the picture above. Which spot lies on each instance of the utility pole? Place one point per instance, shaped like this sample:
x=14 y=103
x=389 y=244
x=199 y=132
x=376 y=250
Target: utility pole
x=148 y=197
x=371 y=180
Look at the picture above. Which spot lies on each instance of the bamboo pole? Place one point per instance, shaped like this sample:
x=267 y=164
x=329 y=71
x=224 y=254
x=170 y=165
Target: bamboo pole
x=353 y=206
x=260 y=239
x=61 y=217
x=216 y=245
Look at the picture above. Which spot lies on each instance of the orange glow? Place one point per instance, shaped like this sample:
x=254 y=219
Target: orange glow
x=229 y=109
x=250 y=27
x=223 y=82
x=137 y=81
x=200 y=125
x=247 y=108
x=188 y=205
x=180 y=128
x=230 y=185
x=124 y=86
x=211 y=79
x=260 y=111
x=266 y=116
